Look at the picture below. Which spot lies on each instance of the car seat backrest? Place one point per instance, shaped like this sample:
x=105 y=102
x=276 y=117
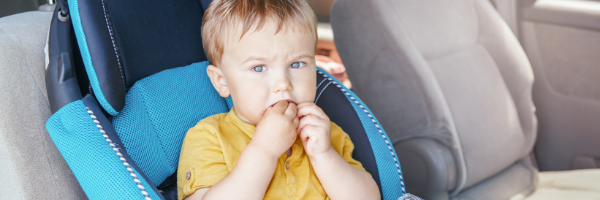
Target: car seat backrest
x=454 y=72
x=122 y=42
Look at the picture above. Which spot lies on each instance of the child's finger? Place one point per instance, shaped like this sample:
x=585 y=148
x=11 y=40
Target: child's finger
x=308 y=133
x=280 y=107
x=309 y=120
x=304 y=104
x=295 y=122
x=304 y=139
x=291 y=110
x=304 y=134
x=311 y=109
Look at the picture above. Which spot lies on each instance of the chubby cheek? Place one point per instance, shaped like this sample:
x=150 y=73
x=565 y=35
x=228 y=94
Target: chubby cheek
x=249 y=110
x=305 y=88
x=248 y=100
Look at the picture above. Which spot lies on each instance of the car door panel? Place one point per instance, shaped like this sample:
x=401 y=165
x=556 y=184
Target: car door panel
x=562 y=41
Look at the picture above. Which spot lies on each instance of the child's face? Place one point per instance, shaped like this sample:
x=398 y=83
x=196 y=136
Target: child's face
x=264 y=68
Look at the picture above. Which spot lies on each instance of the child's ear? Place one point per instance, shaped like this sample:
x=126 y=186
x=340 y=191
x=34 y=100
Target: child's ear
x=218 y=81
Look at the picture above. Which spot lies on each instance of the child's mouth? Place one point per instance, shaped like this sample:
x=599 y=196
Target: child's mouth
x=288 y=100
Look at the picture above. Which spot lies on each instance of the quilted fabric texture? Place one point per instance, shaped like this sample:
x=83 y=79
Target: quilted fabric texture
x=159 y=110
x=85 y=149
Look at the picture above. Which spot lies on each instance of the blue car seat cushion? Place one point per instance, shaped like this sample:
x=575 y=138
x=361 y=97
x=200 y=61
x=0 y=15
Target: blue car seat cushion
x=95 y=154
x=122 y=42
x=159 y=110
x=389 y=178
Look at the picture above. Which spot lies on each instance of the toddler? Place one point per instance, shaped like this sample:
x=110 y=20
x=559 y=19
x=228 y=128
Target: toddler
x=275 y=143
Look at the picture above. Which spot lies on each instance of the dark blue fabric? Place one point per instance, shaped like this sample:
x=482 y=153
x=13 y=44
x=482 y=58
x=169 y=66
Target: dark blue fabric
x=205 y=4
x=339 y=110
x=390 y=174
x=87 y=59
x=129 y=40
x=104 y=60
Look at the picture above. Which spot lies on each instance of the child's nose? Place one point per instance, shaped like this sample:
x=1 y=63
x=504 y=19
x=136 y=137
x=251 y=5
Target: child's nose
x=282 y=84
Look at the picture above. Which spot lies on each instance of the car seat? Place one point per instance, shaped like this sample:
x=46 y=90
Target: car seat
x=28 y=157
x=127 y=79
x=455 y=89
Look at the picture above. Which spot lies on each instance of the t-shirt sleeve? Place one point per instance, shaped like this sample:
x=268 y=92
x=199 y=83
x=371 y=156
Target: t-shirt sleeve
x=201 y=162
x=342 y=143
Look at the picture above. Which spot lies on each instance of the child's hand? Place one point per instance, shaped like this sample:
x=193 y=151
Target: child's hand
x=314 y=129
x=276 y=131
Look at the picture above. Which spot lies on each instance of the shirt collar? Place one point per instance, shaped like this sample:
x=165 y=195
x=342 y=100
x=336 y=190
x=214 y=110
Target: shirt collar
x=247 y=128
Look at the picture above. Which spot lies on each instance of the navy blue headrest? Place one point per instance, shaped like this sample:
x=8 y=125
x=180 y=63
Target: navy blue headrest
x=122 y=42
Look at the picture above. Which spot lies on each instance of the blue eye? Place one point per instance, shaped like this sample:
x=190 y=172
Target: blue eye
x=297 y=64
x=259 y=68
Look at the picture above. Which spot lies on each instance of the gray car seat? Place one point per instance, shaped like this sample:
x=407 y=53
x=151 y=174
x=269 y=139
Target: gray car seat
x=30 y=165
x=453 y=88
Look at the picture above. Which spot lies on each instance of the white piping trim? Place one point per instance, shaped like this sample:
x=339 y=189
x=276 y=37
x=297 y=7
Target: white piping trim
x=322 y=91
x=110 y=142
x=321 y=83
x=114 y=43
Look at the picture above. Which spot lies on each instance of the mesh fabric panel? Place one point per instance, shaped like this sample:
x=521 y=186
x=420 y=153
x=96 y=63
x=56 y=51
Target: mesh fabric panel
x=229 y=102
x=97 y=167
x=390 y=174
x=159 y=110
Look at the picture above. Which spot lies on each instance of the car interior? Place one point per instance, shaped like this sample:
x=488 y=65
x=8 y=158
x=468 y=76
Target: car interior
x=449 y=99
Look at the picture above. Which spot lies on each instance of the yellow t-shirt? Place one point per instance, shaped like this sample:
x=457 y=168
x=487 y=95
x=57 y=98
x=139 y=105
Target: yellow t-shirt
x=212 y=147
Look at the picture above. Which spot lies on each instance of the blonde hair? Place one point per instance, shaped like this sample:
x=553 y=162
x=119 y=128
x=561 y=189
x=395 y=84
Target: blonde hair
x=223 y=19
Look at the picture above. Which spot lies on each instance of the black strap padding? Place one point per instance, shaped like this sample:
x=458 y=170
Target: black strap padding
x=102 y=51
x=340 y=111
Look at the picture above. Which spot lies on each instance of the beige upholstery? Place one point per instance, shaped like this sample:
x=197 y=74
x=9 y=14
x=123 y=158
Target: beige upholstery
x=508 y=9
x=30 y=165
x=451 y=72
x=581 y=14
x=574 y=184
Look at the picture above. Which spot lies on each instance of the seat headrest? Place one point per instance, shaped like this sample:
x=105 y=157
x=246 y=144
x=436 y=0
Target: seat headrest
x=122 y=42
